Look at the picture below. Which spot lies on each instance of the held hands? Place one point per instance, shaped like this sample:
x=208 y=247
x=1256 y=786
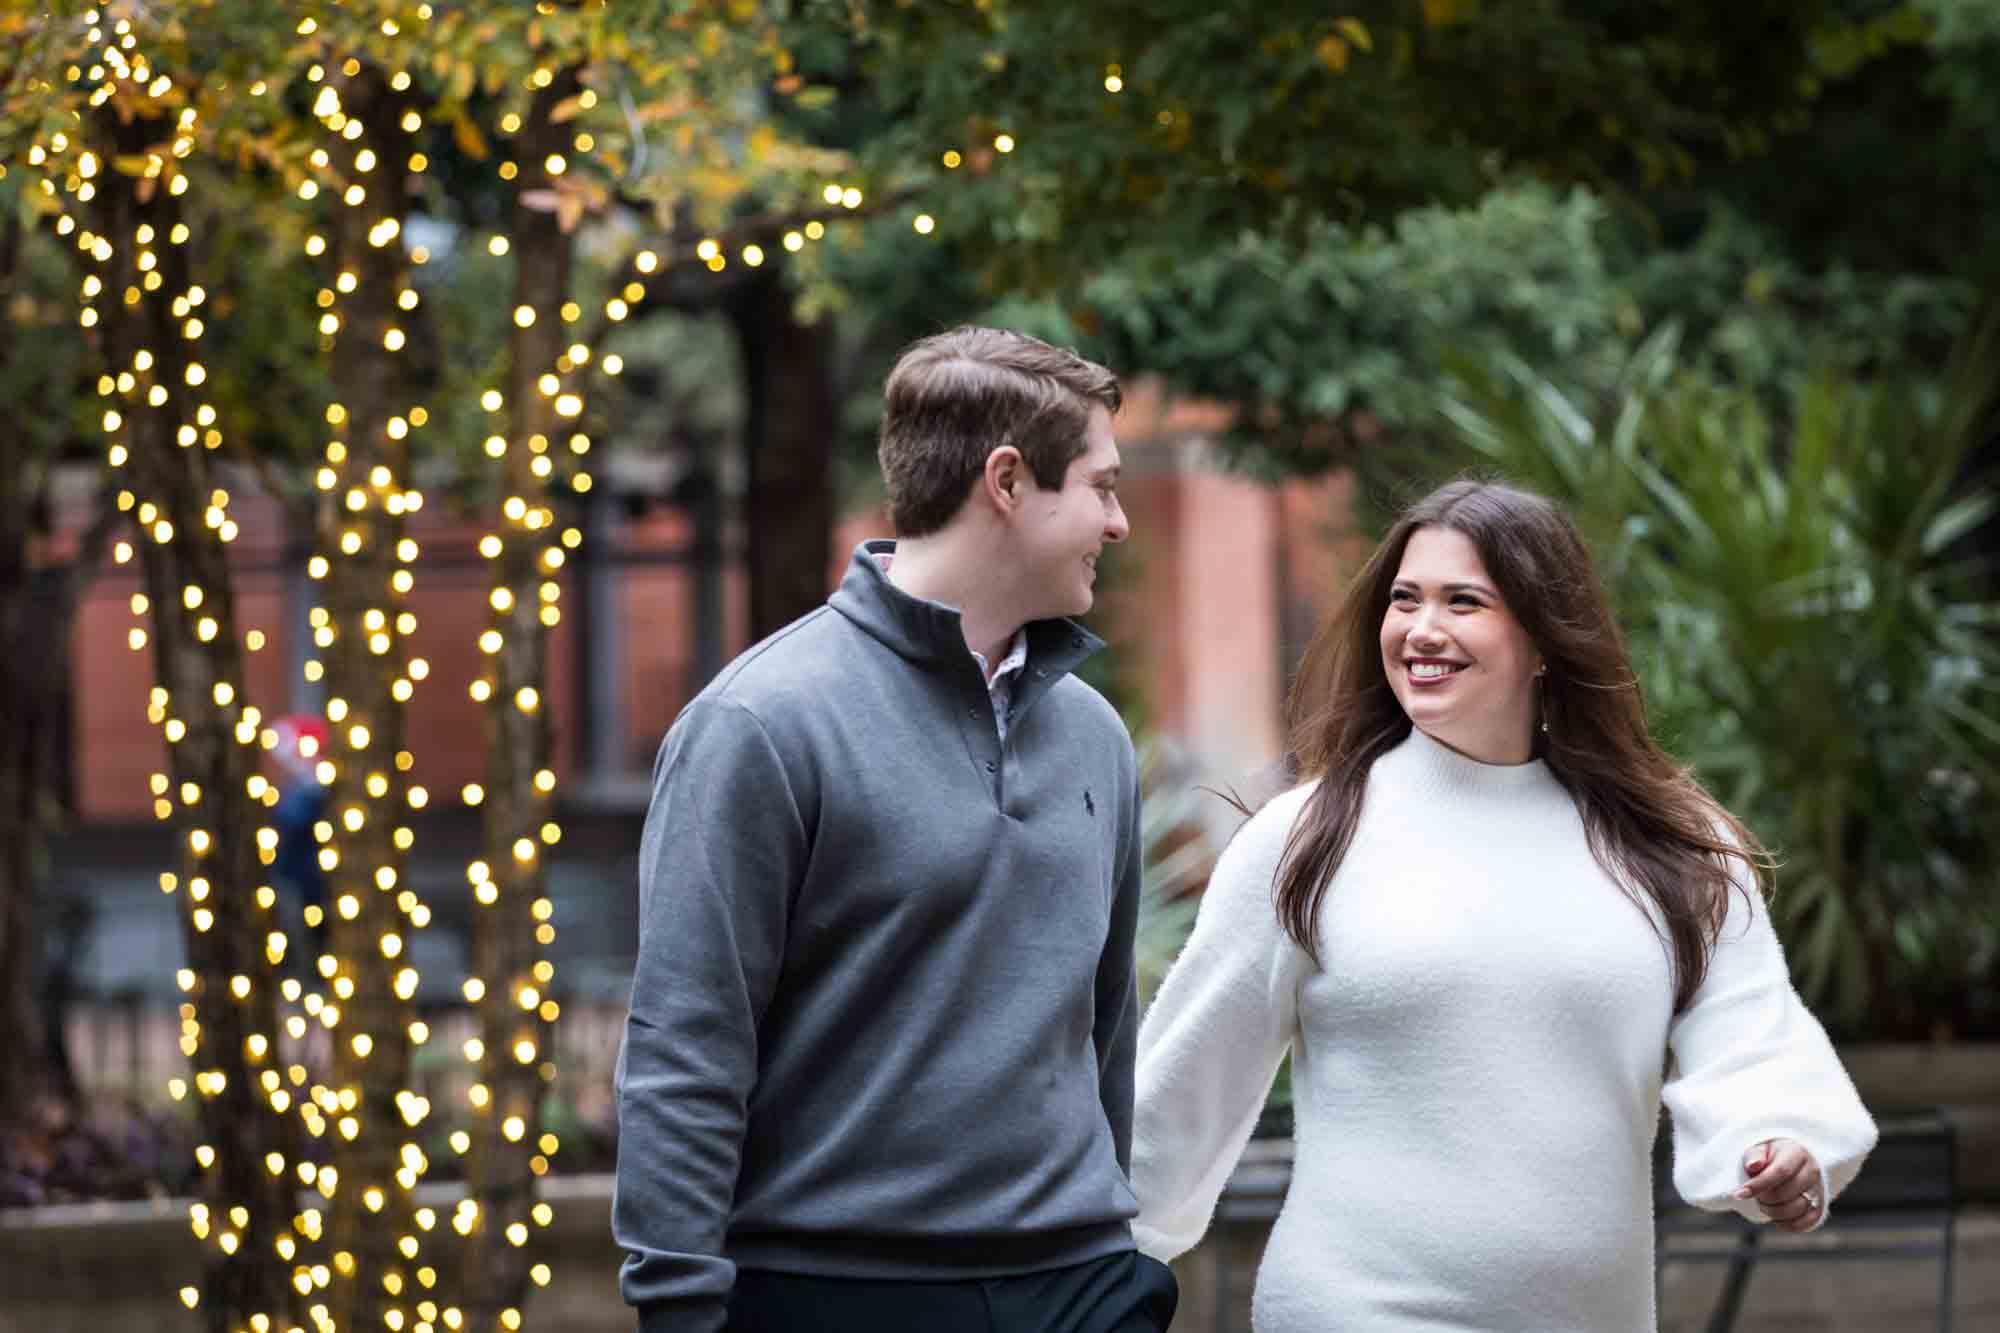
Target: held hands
x=1785 y=1181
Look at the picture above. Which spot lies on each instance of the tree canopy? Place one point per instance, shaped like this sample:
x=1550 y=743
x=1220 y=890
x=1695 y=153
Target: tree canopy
x=1066 y=135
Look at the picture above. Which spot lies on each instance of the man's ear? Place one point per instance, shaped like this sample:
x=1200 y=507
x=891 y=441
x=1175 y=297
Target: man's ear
x=1006 y=473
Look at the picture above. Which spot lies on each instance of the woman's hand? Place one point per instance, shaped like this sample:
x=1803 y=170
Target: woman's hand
x=1785 y=1181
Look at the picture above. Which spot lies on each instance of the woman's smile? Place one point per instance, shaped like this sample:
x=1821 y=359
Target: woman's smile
x=1428 y=671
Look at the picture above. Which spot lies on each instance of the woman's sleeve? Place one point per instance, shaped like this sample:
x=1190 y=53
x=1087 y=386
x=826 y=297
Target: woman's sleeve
x=1212 y=1039
x=1749 y=1063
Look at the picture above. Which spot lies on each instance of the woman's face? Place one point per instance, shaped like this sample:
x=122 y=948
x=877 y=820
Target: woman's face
x=1460 y=664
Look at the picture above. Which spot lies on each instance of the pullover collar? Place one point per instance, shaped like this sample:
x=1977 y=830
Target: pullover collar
x=930 y=634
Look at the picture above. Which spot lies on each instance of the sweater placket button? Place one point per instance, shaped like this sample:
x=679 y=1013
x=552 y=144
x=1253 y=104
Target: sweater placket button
x=990 y=765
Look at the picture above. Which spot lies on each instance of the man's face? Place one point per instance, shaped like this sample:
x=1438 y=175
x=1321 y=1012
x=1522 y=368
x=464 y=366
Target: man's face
x=1062 y=531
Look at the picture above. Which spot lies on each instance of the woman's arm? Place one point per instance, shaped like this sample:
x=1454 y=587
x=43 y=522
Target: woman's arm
x=1752 y=1065
x=1212 y=1039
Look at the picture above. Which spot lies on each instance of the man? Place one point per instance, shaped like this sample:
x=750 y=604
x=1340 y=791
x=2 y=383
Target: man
x=877 y=1075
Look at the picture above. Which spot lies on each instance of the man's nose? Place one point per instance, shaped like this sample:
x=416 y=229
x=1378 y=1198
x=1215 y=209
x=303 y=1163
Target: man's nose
x=1117 y=528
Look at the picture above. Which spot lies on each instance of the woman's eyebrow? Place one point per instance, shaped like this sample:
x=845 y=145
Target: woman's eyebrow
x=1479 y=588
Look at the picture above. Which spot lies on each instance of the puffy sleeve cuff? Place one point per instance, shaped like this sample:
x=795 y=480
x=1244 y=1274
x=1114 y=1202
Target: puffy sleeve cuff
x=1749 y=1063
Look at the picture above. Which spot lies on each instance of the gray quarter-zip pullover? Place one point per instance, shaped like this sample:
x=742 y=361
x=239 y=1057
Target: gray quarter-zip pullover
x=884 y=1011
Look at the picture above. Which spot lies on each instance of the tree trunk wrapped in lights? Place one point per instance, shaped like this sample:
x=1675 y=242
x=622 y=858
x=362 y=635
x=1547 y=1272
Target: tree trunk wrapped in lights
x=376 y=1245
x=512 y=926
x=140 y=298
x=40 y=374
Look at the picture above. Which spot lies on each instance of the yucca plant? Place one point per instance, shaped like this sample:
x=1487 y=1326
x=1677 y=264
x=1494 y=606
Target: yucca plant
x=1813 y=639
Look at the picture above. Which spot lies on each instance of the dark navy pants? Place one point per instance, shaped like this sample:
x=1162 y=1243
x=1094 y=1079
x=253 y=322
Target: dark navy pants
x=1120 y=1293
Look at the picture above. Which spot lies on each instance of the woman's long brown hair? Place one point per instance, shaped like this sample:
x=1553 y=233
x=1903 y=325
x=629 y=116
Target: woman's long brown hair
x=1656 y=832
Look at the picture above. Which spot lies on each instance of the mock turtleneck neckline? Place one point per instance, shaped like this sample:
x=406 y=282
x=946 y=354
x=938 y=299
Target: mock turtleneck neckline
x=1433 y=763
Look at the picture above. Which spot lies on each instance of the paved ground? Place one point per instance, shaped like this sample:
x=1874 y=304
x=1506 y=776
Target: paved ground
x=89 y=1268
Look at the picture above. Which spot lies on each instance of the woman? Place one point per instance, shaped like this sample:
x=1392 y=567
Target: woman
x=1496 y=929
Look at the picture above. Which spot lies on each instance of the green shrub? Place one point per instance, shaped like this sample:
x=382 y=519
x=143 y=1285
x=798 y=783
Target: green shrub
x=1815 y=639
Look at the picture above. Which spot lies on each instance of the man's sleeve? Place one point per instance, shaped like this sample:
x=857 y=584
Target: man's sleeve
x=1117 y=1026
x=723 y=851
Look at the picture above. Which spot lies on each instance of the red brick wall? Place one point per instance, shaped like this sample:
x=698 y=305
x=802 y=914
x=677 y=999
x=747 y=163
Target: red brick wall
x=1197 y=609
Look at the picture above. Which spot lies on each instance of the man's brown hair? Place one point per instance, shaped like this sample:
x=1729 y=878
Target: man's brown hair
x=955 y=397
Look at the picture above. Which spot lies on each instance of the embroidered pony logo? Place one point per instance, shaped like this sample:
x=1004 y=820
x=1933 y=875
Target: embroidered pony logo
x=1089 y=806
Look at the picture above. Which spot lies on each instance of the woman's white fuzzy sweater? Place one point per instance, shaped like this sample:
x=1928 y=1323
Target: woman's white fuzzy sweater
x=1477 y=1067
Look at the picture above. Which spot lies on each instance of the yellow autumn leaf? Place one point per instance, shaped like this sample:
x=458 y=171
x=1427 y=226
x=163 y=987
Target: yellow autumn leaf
x=1332 y=53
x=470 y=141
x=567 y=109
x=1356 y=32
x=716 y=183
